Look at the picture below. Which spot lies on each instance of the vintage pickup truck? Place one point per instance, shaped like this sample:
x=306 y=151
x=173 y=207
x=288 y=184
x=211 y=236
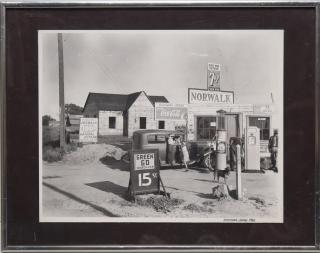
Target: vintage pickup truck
x=158 y=139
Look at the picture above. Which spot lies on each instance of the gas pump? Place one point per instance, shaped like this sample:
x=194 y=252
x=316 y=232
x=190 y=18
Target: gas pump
x=221 y=149
x=252 y=148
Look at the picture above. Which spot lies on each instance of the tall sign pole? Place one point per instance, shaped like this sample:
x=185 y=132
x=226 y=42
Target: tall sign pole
x=61 y=92
x=238 y=175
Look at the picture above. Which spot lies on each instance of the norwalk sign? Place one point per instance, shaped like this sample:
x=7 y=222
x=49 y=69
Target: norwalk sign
x=197 y=96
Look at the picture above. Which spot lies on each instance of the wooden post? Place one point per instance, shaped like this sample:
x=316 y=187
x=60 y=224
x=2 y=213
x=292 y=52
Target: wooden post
x=61 y=92
x=239 y=183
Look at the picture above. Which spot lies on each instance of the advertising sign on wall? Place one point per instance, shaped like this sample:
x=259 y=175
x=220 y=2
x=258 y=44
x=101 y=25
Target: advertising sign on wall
x=198 y=96
x=165 y=111
x=213 y=76
x=88 y=131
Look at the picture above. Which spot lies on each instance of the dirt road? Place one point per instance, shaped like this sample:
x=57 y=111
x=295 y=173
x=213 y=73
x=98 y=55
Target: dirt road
x=97 y=187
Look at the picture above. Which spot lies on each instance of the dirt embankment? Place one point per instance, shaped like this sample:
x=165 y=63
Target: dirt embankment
x=93 y=152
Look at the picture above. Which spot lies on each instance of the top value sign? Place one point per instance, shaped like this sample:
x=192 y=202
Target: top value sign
x=197 y=96
x=213 y=76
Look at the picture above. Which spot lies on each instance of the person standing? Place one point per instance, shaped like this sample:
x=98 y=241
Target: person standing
x=172 y=149
x=178 y=153
x=185 y=154
x=273 y=149
x=233 y=152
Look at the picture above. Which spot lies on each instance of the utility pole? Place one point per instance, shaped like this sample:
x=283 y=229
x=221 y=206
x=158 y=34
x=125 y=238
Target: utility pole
x=61 y=92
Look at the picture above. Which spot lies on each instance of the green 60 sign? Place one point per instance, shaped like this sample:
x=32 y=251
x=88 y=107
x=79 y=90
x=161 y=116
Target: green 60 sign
x=144 y=171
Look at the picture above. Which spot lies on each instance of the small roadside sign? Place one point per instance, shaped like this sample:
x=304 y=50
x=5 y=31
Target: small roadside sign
x=88 y=131
x=144 y=172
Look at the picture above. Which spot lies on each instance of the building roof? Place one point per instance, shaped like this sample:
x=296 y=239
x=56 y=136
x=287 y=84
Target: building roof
x=115 y=102
x=158 y=99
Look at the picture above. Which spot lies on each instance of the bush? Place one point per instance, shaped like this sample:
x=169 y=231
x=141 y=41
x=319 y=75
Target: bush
x=50 y=135
x=55 y=154
x=52 y=154
x=46 y=119
x=70 y=147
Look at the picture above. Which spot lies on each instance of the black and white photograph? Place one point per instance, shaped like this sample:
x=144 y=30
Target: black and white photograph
x=161 y=126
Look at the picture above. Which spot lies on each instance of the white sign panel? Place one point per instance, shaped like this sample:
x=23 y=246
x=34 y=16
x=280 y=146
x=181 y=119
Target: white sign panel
x=88 y=131
x=164 y=111
x=197 y=96
x=144 y=161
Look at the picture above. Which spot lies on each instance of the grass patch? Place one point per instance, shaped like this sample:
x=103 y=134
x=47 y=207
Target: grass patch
x=198 y=209
x=50 y=135
x=208 y=203
x=258 y=200
x=159 y=203
x=51 y=153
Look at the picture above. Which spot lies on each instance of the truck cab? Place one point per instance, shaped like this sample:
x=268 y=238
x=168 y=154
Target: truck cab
x=155 y=139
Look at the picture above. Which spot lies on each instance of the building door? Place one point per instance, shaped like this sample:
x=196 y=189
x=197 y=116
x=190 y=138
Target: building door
x=125 y=123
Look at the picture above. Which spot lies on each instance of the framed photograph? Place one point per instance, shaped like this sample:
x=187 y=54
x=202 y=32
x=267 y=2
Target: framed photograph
x=160 y=126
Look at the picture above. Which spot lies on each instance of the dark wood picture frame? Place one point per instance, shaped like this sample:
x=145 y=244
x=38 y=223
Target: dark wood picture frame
x=21 y=229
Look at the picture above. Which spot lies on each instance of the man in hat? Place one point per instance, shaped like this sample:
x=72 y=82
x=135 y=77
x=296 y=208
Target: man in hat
x=273 y=149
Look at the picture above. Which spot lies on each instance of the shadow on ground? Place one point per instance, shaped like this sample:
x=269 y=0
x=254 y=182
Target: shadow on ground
x=115 y=164
x=51 y=177
x=82 y=201
x=111 y=187
x=205 y=195
x=205 y=180
x=177 y=189
x=232 y=193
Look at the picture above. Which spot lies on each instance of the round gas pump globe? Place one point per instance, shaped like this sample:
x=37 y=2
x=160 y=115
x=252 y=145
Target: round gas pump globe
x=221 y=147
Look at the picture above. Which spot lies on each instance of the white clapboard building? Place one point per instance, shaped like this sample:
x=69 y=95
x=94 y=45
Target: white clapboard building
x=121 y=114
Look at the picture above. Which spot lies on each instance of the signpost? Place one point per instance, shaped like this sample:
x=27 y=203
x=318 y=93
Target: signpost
x=144 y=172
x=88 y=131
x=238 y=175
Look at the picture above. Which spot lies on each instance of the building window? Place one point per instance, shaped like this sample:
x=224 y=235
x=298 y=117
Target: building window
x=112 y=122
x=161 y=124
x=154 y=138
x=263 y=123
x=143 y=122
x=206 y=127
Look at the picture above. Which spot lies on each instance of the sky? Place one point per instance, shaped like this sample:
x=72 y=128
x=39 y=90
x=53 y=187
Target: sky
x=161 y=63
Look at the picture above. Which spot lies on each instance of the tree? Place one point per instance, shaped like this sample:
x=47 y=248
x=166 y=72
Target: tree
x=46 y=119
x=73 y=109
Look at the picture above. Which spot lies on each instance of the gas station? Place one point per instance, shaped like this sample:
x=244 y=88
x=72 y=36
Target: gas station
x=212 y=112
